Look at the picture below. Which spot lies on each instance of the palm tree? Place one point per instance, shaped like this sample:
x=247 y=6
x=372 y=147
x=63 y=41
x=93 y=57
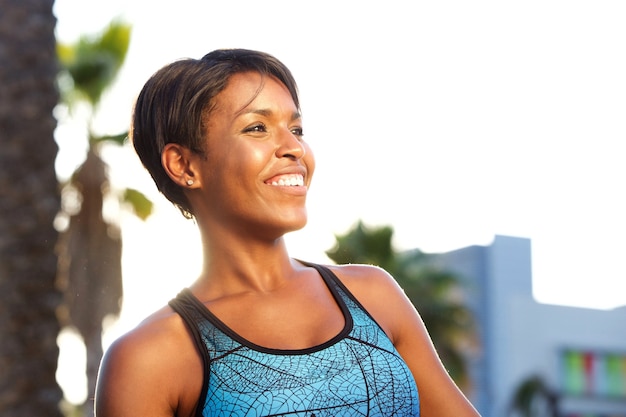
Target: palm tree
x=534 y=398
x=29 y=202
x=436 y=293
x=90 y=272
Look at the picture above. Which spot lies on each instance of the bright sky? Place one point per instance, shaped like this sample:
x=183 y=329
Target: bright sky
x=451 y=121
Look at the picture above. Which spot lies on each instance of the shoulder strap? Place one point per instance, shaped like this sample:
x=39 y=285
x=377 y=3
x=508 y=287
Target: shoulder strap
x=184 y=305
x=333 y=281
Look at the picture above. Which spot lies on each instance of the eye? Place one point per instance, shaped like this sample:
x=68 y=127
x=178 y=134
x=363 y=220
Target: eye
x=297 y=131
x=258 y=127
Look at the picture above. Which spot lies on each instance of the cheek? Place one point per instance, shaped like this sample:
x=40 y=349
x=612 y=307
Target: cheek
x=250 y=158
x=258 y=155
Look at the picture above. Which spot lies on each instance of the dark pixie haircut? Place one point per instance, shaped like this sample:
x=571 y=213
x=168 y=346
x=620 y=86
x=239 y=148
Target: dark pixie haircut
x=175 y=103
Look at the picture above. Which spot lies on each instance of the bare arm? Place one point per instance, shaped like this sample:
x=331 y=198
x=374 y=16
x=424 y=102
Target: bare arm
x=387 y=303
x=151 y=371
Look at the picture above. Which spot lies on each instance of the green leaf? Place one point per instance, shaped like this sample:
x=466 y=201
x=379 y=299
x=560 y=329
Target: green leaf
x=65 y=53
x=116 y=40
x=94 y=61
x=142 y=205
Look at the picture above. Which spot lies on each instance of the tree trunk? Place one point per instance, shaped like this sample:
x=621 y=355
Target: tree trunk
x=90 y=268
x=29 y=202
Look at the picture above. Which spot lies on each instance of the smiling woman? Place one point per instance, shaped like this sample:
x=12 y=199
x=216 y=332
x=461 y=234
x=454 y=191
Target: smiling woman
x=259 y=332
x=511 y=131
x=256 y=119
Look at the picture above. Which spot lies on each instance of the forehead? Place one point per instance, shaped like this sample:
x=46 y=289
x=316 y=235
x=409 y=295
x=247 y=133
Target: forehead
x=252 y=88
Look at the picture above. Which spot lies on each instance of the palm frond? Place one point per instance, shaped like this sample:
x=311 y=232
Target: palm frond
x=94 y=61
x=141 y=205
x=119 y=139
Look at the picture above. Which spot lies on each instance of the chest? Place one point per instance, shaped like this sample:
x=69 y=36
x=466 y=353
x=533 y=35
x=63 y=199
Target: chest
x=284 y=320
x=358 y=372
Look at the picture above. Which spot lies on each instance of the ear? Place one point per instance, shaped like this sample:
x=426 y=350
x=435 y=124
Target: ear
x=180 y=164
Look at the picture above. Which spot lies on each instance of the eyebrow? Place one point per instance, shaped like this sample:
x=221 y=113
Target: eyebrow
x=267 y=112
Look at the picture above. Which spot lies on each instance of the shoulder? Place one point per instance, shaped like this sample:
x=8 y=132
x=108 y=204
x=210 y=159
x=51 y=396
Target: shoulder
x=157 y=333
x=366 y=280
x=379 y=293
x=141 y=373
x=382 y=297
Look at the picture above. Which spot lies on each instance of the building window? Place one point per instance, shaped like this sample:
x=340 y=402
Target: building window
x=593 y=373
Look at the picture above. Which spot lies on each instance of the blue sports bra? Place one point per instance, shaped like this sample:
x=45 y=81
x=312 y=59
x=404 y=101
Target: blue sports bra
x=356 y=373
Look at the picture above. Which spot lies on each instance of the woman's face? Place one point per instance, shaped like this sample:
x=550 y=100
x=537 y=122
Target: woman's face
x=258 y=168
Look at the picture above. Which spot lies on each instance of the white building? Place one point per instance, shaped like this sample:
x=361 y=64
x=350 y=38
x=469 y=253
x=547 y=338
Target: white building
x=579 y=353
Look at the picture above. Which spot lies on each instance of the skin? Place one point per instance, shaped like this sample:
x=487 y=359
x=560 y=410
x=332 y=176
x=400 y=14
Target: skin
x=248 y=278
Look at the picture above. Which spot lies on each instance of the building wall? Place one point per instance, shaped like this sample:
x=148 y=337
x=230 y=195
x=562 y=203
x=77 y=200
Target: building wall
x=521 y=338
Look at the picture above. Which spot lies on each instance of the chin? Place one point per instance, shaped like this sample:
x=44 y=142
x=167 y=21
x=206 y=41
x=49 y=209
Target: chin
x=296 y=228
x=296 y=224
x=293 y=225
x=280 y=222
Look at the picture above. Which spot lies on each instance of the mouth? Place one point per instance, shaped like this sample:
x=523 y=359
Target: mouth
x=288 y=180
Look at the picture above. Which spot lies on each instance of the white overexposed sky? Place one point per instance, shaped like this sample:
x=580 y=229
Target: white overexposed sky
x=451 y=121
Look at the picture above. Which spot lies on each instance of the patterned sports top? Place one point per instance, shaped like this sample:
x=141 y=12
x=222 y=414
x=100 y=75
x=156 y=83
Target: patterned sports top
x=356 y=373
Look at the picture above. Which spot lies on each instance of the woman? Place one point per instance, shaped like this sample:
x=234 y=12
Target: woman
x=259 y=333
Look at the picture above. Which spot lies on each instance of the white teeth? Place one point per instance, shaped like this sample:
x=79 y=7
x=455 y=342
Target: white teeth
x=290 y=181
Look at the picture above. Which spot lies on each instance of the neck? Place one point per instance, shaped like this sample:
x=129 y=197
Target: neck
x=235 y=263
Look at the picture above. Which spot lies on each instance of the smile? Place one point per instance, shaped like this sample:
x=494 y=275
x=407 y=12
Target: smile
x=291 y=180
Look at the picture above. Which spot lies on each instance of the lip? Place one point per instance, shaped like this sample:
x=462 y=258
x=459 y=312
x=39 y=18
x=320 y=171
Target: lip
x=291 y=170
x=300 y=190
x=289 y=189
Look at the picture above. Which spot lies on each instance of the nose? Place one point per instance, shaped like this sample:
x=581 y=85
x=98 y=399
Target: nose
x=290 y=146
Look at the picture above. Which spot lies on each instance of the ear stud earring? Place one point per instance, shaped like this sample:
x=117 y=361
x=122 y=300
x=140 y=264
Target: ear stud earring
x=190 y=182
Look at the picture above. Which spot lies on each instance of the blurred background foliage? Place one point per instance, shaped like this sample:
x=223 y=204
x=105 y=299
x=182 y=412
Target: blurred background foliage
x=90 y=246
